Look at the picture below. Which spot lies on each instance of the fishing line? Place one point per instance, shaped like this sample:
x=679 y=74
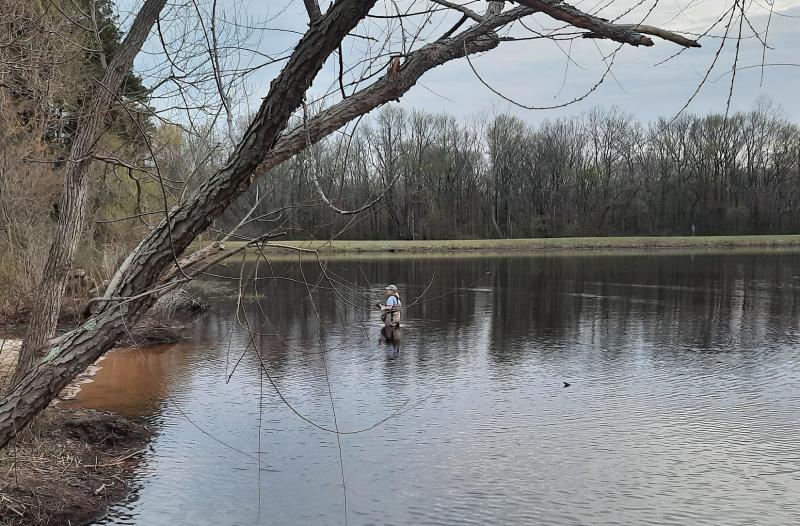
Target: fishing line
x=169 y=397
x=330 y=393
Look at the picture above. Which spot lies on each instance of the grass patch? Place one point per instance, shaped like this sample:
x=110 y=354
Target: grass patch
x=500 y=246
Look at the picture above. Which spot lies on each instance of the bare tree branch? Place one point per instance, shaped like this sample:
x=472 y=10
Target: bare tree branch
x=632 y=34
x=478 y=38
x=314 y=13
x=662 y=33
x=466 y=11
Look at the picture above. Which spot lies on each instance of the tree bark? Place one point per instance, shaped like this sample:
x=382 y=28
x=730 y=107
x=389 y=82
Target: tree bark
x=72 y=216
x=195 y=258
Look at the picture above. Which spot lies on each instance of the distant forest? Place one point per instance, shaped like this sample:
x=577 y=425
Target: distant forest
x=599 y=173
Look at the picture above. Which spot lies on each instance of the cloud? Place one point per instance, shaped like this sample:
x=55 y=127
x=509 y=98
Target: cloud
x=538 y=72
x=532 y=73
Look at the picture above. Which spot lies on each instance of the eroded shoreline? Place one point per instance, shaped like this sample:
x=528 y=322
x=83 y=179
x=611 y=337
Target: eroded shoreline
x=69 y=465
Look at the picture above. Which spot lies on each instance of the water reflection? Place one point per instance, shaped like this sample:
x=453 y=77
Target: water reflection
x=390 y=338
x=132 y=385
x=684 y=405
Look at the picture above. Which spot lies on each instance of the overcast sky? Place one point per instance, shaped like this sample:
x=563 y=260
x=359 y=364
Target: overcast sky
x=538 y=72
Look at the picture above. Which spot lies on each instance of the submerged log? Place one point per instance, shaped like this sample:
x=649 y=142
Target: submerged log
x=166 y=320
x=151 y=331
x=204 y=255
x=177 y=301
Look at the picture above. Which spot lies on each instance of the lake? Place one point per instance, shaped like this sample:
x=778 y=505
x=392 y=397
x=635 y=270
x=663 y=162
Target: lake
x=683 y=405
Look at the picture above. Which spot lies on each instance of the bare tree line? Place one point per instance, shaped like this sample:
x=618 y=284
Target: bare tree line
x=600 y=173
x=386 y=65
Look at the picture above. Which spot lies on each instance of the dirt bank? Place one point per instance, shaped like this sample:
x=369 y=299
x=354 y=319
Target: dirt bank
x=68 y=467
x=70 y=464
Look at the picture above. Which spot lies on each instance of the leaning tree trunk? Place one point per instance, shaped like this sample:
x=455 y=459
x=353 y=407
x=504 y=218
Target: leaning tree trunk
x=72 y=216
x=68 y=355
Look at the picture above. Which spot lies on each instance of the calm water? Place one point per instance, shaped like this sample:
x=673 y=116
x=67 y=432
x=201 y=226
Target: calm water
x=684 y=404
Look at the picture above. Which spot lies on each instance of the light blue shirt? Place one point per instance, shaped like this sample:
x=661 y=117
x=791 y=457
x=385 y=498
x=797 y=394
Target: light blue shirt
x=392 y=302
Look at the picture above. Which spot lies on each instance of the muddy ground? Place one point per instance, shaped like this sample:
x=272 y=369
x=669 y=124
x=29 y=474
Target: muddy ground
x=71 y=464
x=68 y=467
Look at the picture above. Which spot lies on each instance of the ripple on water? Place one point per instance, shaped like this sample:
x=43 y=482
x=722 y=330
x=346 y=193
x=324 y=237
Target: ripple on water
x=684 y=405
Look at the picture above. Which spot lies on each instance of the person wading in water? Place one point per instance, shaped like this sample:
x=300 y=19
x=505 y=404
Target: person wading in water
x=390 y=332
x=391 y=307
